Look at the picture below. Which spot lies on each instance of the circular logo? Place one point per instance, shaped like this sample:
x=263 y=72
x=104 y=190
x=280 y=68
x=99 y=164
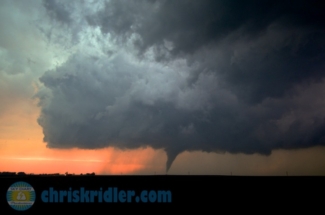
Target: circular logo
x=21 y=196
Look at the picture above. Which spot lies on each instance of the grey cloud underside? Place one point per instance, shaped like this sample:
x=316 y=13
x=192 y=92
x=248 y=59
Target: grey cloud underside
x=58 y=11
x=252 y=81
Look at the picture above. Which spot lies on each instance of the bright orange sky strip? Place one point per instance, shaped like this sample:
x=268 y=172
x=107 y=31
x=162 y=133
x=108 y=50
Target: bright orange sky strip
x=22 y=149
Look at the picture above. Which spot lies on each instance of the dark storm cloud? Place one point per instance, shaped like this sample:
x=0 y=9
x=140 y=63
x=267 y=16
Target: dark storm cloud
x=242 y=77
x=270 y=66
x=190 y=25
x=95 y=103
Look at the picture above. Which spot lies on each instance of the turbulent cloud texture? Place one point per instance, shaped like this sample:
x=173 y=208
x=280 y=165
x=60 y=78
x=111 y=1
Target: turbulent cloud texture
x=224 y=76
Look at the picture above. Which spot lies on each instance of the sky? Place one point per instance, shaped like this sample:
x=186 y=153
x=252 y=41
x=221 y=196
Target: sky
x=209 y=87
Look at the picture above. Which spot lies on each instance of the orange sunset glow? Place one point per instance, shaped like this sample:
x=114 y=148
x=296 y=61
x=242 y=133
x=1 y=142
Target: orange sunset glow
x=23 y=149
